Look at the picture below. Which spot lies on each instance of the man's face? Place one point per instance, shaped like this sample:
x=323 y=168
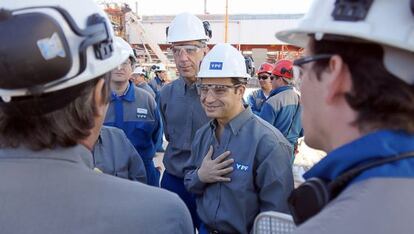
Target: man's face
x=312 y=93
x=277 y=82
x=162 y=75
x=187 y=57
x=122 y=73
x=220 y=98
x=264 y=81
x=137 y=79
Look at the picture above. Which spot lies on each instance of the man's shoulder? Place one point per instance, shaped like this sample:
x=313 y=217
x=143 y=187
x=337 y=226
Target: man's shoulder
x=377 y=205
x=112 y=133
x=256 y=93
x=171 y=85
x=143 y=96
x=135 y=194
x=265 y=129
x=137 y=205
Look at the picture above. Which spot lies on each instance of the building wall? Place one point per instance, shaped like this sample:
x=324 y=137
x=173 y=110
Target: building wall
x=242 y=29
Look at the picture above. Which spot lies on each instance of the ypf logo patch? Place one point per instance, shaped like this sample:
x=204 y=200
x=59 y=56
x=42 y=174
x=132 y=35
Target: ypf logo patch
x=142 y=113
x=216 y=65
x=241 y=167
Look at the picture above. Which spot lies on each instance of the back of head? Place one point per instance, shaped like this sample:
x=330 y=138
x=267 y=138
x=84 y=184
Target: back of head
x=54 y=51
x=284 y=69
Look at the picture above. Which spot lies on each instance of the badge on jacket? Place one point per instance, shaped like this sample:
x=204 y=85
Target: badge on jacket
x=142 y=113
x=241 y=167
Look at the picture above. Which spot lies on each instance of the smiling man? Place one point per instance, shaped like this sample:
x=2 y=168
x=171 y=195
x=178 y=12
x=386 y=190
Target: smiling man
x=240 y=165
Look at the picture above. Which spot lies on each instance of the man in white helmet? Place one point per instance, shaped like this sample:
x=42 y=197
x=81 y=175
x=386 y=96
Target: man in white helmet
x=135 y=112
x=240 y=164
x=160 y=78
x=138 y=77
x=180 y=104
x=50 y=116
x=358 y=106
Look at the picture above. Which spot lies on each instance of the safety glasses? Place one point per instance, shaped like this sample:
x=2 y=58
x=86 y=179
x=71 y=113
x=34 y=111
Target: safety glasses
x=217 y=90
x=298 y=63
x=263 y=77
x=188 y=49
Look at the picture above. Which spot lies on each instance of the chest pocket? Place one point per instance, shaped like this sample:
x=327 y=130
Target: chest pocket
x=178 y=117
x=140 y=133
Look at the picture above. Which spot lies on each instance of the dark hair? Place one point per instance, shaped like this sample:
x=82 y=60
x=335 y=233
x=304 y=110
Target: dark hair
x=64 y=126
x=381 y=100
x=237 y=80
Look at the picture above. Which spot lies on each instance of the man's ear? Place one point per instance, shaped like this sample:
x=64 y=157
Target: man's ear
x=99 y=97
x=206 y=50
x=340 y=81
x=242 y=90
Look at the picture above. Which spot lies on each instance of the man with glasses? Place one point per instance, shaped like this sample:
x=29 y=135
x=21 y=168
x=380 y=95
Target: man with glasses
x=358 y=106
x=135 y=112
x=258 y=97
x=282 y=109
x=180 y=104
x=240 y=165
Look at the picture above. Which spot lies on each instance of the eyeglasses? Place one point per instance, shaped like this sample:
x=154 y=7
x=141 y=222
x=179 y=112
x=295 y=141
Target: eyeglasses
x=298 y=63
x=263 y=77
x=218 y=90
x=273 y=77
x=312 y=58
x=189 y=49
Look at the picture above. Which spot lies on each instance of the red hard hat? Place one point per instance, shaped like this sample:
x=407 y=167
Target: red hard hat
x=283 y=68
x=265 y=67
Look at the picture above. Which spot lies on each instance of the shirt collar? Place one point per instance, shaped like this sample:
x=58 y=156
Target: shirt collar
x=158 y=80
x=184 y=87
x=237 y=122
x=78 y=154
x=379 y=144
x=128 y=95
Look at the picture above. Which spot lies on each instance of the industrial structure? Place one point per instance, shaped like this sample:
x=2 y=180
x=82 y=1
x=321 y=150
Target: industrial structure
x=252 y=34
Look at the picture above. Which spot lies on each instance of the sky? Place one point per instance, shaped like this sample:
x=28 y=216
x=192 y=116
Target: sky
x=171 y=7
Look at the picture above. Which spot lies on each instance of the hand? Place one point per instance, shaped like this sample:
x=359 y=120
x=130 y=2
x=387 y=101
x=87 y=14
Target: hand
x=212 y=171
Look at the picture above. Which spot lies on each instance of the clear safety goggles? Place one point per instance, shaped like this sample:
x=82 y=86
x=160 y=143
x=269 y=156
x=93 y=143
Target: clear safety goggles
x=217 y=90
x=188 y=49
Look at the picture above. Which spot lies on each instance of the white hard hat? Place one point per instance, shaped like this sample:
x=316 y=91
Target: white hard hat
x=389 y=23
x=187 y=27
x=159 y=67
x=139 y=71
x=59 y=43
x=223 y=61
x=127 y=47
